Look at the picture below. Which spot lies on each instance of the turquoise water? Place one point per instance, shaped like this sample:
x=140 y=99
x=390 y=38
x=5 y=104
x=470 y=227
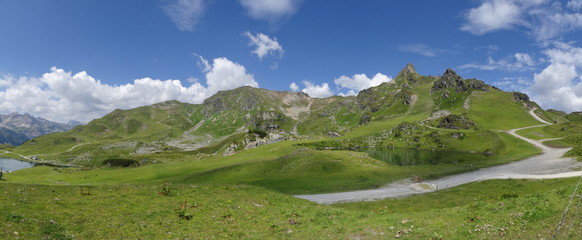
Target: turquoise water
x=8 y=164
x=411 y=157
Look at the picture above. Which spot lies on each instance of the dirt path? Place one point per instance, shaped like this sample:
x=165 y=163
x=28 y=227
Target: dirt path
x=549 y=164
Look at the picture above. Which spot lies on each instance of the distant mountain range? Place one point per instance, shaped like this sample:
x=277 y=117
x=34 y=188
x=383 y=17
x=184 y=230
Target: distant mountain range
x=16 y=128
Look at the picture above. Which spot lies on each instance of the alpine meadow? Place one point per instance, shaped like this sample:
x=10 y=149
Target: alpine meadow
x=480 y=138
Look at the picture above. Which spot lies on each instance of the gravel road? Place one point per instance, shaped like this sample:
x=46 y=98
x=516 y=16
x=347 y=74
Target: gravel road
x=549 y=164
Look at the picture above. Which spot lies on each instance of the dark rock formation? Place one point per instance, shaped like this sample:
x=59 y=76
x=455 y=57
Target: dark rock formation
x=450 y=80
x=477 y=85
x=520 y=97
x=456 y=122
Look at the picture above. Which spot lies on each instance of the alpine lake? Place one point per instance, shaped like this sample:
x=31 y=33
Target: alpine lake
x=7 y=164
x=413 y=157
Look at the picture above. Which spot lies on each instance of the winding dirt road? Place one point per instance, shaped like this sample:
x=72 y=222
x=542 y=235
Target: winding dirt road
x=549 y=164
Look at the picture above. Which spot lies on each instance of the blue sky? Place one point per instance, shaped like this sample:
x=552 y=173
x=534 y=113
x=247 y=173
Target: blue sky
x=66 y=59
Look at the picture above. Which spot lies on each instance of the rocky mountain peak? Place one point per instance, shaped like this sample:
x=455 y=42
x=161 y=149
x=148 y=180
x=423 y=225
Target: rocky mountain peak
x=451 y=74
x=450 y=80
x=407 y=75
x=407 y=70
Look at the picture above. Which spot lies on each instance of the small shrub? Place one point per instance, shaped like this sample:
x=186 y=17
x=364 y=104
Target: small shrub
x=54 y=231
x=14 y=218
x=183 y=212
x=509 y=195
x=119 y=162
x=165 y=190
x=260 y=132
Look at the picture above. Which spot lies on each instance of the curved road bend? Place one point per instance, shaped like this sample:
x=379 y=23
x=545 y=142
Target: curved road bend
x=549 y=164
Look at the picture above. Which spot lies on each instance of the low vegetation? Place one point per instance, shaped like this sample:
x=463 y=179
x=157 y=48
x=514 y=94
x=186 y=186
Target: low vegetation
x=511 y=209
x=224 y=169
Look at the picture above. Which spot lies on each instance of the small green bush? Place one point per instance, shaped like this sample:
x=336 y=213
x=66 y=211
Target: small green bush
x=119 y=162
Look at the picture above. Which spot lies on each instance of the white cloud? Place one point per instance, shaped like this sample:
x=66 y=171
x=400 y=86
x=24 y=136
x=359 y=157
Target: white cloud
x=226 y=74
x=349 y=93
x=545 y=20
x=519 y=84
x=62 y=96
x=272 y=11
x=6 y=81
x=359 y=82
x=421 y=49
x=519 y=62
x=559 y=85
x=317 y=91
x=294 y=87
x=203 y=63
x=185 y=13
x=264 y=45
x=575 y=4
x=492 y=15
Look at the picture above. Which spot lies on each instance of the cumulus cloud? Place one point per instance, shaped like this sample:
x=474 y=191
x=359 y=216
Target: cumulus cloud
x=184 y=13
x=359 y=82
x=491 y=16
x=62 y=96
x=545 y=20
x=264 y=45
x=226 y=74
x=519 y=62
x=559 y=84
x=317 y=91
x=272 y=11
x=294 y=87
x=421 y=49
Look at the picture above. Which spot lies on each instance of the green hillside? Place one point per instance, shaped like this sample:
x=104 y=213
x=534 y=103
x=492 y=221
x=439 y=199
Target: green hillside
x=274 y=139
x=222 y=169
x=438 y=110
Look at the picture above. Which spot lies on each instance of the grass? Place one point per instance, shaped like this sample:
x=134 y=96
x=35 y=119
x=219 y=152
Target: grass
x=281 y=167
x=552 y=131
x=201 y=194
x=513 y=209
x=486 y=112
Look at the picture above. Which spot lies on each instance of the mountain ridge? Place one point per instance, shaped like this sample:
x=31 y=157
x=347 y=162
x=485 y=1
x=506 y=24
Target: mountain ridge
x=17 y=128
x=246 y=117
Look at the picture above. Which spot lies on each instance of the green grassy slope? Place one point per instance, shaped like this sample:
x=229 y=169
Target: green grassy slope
x=496 y=110
x=281 y=167
x=510 y=209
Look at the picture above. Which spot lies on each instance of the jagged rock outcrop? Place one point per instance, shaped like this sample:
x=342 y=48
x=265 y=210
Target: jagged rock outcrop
x=450 y=80
x=455 y=122
x=522 y=97
x=408 y=75
x=477 y=84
